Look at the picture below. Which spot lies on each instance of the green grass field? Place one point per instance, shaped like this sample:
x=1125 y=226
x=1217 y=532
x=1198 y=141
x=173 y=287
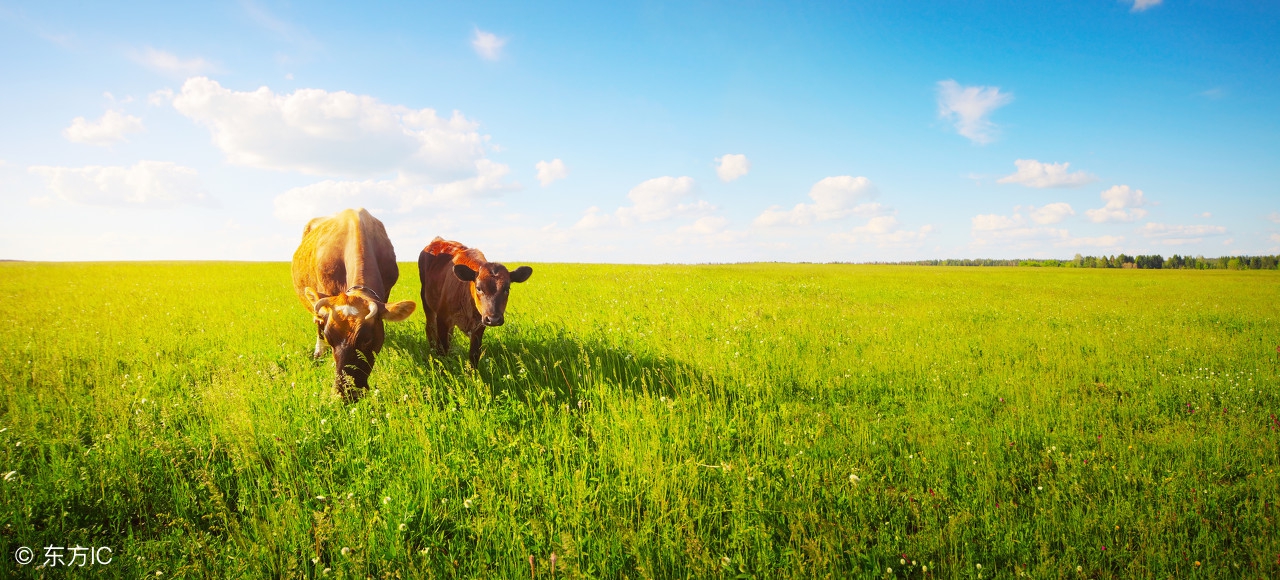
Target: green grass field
x=746 y=421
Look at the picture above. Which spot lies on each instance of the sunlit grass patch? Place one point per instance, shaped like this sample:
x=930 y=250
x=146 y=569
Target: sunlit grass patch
x=641 y=421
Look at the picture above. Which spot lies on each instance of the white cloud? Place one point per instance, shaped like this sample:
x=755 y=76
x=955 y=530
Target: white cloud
x=1052 y=213
x=401 y=194
x=153 y=184
x=1205 y=215
x=300 y=204
x=110 y=128
x=1274 y=216
x=1032 y=173
x=336 y=134
x=969 y=107
x=706 y=232
x=1098 y=242
x=705 y=225
x=549 y=172
x=993 y=222
x=593 y=218
x=171 y=64
x=1123 y=205
x=160 y=97
x=1275 y=238
x=1174 y=235
x=884 y=232
x=653 y=200
x=487 y=44
x=834 y=198
x=732 y=166
x=659 y=199
x=1013 y=230
x=1140 y=5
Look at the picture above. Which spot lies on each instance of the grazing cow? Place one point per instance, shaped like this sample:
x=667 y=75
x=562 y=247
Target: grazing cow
x=343 y=272
x=461 y=288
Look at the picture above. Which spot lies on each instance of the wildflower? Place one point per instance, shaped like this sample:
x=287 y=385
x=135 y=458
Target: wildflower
x=1040 y=488
x=979 y=566
x=386 y=500
x=320 y=497
x=346 y=551
x=402 y=527
x=466 y=503
x=724 y=560
x=326 y=571
x=888 y=570
x=852 y=478
x=315 y=560
x=1197 y=563
x=903 y=561
x=1079 y=568
x=924 y=568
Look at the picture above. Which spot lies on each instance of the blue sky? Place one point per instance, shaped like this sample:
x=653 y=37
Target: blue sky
x=601 y=132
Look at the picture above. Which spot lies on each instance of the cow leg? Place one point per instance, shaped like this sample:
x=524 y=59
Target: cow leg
x=444 y=335
x=476 y=335
x=433 y=333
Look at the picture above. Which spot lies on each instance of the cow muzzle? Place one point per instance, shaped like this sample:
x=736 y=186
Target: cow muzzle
x=492 y=320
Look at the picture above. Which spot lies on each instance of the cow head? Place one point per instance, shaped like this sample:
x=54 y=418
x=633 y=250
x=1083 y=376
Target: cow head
x=490 y=286
x=351 y=324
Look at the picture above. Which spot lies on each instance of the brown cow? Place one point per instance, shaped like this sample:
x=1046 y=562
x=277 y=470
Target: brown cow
x=461 y=288
x=343 y=272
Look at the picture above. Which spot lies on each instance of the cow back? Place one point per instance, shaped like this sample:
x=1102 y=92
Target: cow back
x=346 y=249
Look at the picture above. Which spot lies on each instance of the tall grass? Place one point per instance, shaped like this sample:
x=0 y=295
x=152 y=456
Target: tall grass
x=652 y=422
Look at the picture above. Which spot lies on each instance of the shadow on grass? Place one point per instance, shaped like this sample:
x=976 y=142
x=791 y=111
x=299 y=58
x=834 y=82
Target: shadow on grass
x=547 y=364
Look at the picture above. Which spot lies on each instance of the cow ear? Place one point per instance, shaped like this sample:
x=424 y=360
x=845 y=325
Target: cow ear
x=399 y=311
x=464 y=273
x=311 y=295
x=521 y=274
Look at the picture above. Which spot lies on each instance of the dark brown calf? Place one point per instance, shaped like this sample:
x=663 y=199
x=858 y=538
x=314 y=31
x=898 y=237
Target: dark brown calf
x=461 y=288
x=343 y=272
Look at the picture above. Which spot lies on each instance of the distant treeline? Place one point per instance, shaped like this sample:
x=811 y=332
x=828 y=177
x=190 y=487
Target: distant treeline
x=1155 y=262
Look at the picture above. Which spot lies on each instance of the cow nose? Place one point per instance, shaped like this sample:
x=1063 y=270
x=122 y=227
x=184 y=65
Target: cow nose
x=493 y=321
